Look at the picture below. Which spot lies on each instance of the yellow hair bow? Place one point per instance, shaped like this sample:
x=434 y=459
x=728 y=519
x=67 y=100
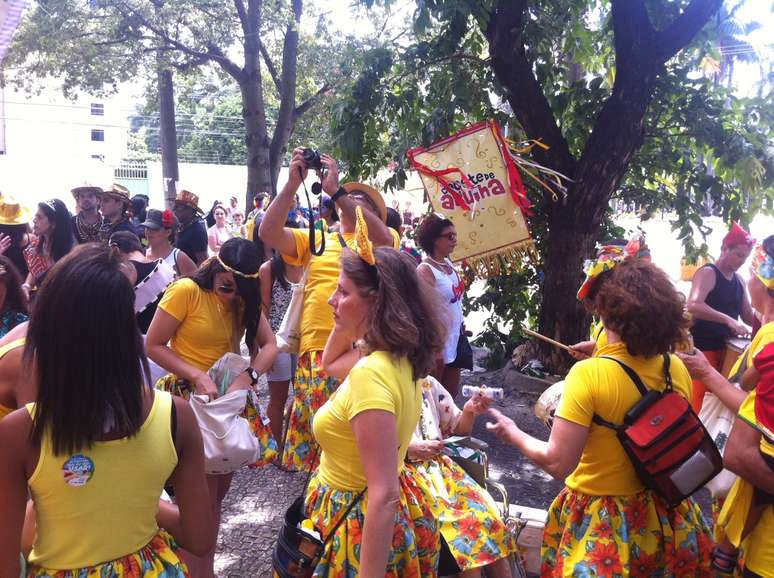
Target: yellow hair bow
x=363 y=245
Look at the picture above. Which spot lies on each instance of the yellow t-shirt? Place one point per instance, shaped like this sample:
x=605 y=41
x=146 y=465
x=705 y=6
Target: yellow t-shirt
x=759 y=544
x=600 y=386
x=321 y=279
x=206 y=324
x=378 y=381
x=100 y=503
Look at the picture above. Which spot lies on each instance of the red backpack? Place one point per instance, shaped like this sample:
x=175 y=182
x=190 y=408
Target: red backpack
x=671 y=451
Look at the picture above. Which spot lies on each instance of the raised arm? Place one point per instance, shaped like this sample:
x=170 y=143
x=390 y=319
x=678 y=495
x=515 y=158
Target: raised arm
x=272 y=230
x=339 y=355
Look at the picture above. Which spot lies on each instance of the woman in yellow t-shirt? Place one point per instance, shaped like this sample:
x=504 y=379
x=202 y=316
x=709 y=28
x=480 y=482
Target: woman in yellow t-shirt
x=604 y=522
x=97 y=447
x=365 y=428
x=201 y=318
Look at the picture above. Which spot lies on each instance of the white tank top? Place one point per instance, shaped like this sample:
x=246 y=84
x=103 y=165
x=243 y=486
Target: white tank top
x=451 y=288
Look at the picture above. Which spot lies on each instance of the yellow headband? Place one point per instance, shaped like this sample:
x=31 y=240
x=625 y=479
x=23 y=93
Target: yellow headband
x=363 y=245
x=236 y=272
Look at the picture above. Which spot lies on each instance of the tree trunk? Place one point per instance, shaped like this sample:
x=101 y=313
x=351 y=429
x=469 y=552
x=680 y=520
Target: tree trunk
x=168 y=136
x=286 y=117
x=257 y=138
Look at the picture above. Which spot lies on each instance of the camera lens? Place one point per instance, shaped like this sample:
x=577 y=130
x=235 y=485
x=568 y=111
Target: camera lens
x=312 y=159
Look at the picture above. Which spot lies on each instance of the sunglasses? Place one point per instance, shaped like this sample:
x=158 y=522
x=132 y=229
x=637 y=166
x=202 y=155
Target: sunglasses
x=228 y=289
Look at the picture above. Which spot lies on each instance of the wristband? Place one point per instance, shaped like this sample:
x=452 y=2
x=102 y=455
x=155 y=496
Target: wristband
x=338 y=194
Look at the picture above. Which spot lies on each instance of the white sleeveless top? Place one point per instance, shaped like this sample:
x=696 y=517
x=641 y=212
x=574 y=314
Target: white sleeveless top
x=450 y=286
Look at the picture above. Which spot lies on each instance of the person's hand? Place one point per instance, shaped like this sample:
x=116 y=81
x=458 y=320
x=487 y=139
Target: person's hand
x=697 y=364
x=425 y=449
x=330 y=182
x=26 y=289
x=203 y=385
x=502 y=426
x=297 y=170
x=582 y=350
x=478 y=404
x=5 y=243
x=738 y=328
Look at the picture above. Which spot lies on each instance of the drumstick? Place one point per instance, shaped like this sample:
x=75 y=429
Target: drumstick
x=546 y=339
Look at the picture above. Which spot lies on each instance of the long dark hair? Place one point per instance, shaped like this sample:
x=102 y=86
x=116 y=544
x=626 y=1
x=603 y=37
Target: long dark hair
x=86 y=352
x=12 y=279
x=406 y=317
x=241 y=255
x=62 y=239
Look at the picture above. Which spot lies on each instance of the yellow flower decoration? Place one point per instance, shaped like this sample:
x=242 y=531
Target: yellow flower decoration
x=763 y=267
x=363 y=245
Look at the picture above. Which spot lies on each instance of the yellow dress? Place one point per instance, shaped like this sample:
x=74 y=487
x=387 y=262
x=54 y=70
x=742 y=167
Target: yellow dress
x=604 y=522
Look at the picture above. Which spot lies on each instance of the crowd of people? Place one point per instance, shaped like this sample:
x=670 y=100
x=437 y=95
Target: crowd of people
x=112 y=320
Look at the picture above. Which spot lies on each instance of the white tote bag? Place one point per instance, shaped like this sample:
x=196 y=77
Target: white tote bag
x=718 y=420
x=229 y=443
x=289 y=332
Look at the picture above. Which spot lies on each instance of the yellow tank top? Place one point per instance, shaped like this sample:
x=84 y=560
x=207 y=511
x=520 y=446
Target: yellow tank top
x=4 y=411
x=100 y=503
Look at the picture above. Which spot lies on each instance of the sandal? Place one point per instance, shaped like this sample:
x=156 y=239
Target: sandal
x=723 y=562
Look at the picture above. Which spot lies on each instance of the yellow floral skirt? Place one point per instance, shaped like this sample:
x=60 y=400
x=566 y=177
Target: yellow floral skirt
x=612 y=536
x=311 y=389
x=252 y=413
x=415 y=539
x=467 y=515
x=156 y=560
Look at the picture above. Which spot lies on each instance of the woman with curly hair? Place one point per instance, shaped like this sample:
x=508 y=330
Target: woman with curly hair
x=605 y=522
x=364 y=429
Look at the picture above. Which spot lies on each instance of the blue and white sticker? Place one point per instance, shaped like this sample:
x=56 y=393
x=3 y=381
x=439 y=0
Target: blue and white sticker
x=78 y=470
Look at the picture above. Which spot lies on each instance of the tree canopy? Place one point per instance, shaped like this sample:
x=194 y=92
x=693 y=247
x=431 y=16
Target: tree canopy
x=615 y=91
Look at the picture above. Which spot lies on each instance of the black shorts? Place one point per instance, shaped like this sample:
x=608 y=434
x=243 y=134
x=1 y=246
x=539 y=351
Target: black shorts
x=761 y=497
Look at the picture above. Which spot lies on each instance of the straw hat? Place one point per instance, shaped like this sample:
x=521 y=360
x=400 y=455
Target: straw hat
x=188 y=199
x=12 y=213
x=118 y=192
x=375 y=195
x=86 y=187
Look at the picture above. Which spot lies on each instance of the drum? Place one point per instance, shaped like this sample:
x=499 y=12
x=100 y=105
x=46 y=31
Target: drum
x=734 y=348
x=546 y=405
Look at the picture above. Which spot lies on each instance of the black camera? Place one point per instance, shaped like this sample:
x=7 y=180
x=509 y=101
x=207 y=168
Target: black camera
x=312 y=159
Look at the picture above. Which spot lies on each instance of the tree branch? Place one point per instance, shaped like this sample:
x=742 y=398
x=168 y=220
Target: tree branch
x=242 y=13
x=678 y=34
x=633 y=31
x=270 y=66
x=508 y=58
x=311 y=101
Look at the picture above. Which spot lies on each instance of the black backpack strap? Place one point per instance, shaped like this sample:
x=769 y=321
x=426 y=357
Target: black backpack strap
x=667 y=374
x=342 y=242
x=641 y=387
x=637 y=382
x=173 y=421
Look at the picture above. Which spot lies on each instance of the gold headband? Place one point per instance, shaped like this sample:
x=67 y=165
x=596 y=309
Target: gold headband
x=363 y=245
x=237 y=272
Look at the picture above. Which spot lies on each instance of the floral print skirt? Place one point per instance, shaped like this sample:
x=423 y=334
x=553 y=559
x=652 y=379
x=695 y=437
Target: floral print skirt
x=467 y=515
x=156 y=560
x=612 y=536
x=311 y=389
x=415 y=539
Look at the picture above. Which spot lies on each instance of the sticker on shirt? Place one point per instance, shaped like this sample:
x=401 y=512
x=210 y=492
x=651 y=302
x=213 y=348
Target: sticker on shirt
x=78 y=470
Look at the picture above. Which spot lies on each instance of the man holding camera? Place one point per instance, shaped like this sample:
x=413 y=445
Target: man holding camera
x=312 y=386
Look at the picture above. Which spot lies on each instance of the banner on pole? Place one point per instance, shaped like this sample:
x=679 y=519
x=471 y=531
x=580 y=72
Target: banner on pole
x=471 y=179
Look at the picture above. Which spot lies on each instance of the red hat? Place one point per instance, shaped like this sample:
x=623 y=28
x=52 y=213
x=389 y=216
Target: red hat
x=737 y=236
